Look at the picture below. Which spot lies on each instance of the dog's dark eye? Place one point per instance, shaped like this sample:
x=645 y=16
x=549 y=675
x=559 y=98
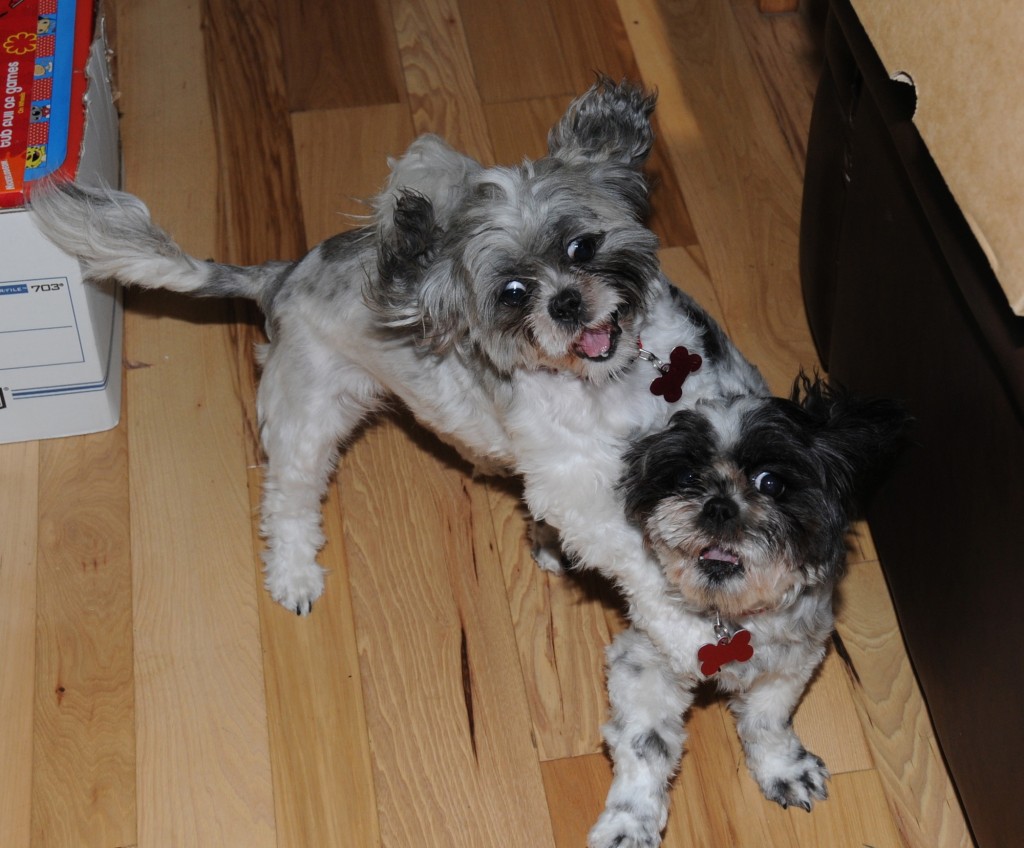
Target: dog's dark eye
x=687 y=480
x=769 y=484
x=513 y=294
x=581 y=249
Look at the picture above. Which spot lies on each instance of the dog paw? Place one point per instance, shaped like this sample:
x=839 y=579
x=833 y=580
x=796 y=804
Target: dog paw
x=549 y=560
x=296 y=588
x=624 y=827
x=798 y=783
x=546 y=548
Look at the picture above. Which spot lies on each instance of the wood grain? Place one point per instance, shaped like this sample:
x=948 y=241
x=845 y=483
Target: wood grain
x=323 y=779
x=204 y=766
x=19 y=505
x=440 y=667
x=201 y=702
x=439 y=75
x=773 y=44
x=259 y=216
x=339 y=55
x=576 y=788
x=592 y=40
x=341 y=158
x=512 y=61
x=83 y=773
x=922 y=801
x=735 y=170
x=562 y=625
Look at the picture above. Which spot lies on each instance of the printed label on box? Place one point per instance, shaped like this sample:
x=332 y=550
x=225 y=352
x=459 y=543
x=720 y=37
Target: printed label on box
x=38 y=326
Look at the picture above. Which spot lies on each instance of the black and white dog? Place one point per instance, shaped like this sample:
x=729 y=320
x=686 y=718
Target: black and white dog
x=745 y=503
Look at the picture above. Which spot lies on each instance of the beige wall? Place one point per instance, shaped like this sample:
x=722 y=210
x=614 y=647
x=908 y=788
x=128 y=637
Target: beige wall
x=966 y=61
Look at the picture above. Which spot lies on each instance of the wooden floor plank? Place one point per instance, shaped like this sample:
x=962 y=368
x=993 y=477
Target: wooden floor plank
x=512 y=61
x=339 y=55
x=204 y=767
x=562 y=624
x=854 y=816
x=439 y=76
x=576 y=788
x=786 y=50
x=198 y=666
x=335 y=188
x=259 y=216
x=323 y=778
x=592 y=39
x=519 y=130
x=441 y=672
x=827 y=721
x=736 y=172
x=896 y=722
x=19 y=500
x=83 y=775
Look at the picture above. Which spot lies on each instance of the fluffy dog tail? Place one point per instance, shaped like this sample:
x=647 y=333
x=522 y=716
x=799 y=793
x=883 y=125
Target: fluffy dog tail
x=111 y=234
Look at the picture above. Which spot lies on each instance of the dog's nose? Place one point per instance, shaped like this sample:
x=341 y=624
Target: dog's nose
x=566 y=305
x=720 y=510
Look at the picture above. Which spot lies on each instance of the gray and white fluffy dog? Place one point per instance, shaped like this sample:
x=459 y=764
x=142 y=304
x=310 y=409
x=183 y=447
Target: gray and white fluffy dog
x=520 y=313
x=504 y=306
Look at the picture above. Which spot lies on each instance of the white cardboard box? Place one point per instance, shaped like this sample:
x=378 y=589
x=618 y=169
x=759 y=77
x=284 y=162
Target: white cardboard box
x=60 y=339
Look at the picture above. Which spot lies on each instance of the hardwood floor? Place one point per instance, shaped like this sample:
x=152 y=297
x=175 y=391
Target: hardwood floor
x=444 y=692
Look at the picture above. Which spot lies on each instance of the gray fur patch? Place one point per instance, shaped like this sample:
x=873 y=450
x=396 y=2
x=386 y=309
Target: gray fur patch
x=650 y=745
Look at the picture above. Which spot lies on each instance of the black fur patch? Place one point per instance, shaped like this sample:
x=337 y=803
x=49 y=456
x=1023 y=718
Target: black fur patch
x=650 y=745
x=414 y=237
x=340 y=246
x=656 y=465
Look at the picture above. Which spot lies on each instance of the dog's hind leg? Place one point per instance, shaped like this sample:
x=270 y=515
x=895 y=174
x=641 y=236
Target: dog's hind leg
x=310 y=402
x=786 y=771
x=645 y=739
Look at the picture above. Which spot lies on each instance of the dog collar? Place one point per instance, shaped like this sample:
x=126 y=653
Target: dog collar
x=681 y=364
x=731 y=647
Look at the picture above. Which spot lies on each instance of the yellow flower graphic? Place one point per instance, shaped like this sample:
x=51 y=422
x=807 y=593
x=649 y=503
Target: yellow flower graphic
x=20 y=43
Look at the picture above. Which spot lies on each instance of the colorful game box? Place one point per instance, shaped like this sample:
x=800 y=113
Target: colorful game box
x=60 y=337
x=44 y=45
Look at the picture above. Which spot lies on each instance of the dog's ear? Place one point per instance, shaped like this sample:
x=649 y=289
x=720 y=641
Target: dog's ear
x=431 y=168
x=653 y=465
x=608 y=123
x=856 y=437
x=414 y=288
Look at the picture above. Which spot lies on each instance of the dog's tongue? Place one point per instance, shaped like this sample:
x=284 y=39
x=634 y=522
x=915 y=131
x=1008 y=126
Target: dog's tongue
x=720 y=555
x=595 y=341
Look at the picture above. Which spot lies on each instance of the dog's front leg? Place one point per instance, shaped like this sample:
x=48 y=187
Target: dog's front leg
x=305 y=412
x=786 y=771
x=645 y=739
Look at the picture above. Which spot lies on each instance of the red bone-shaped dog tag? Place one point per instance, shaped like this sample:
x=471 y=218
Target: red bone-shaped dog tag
x=681 y=365
x=735 y=648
